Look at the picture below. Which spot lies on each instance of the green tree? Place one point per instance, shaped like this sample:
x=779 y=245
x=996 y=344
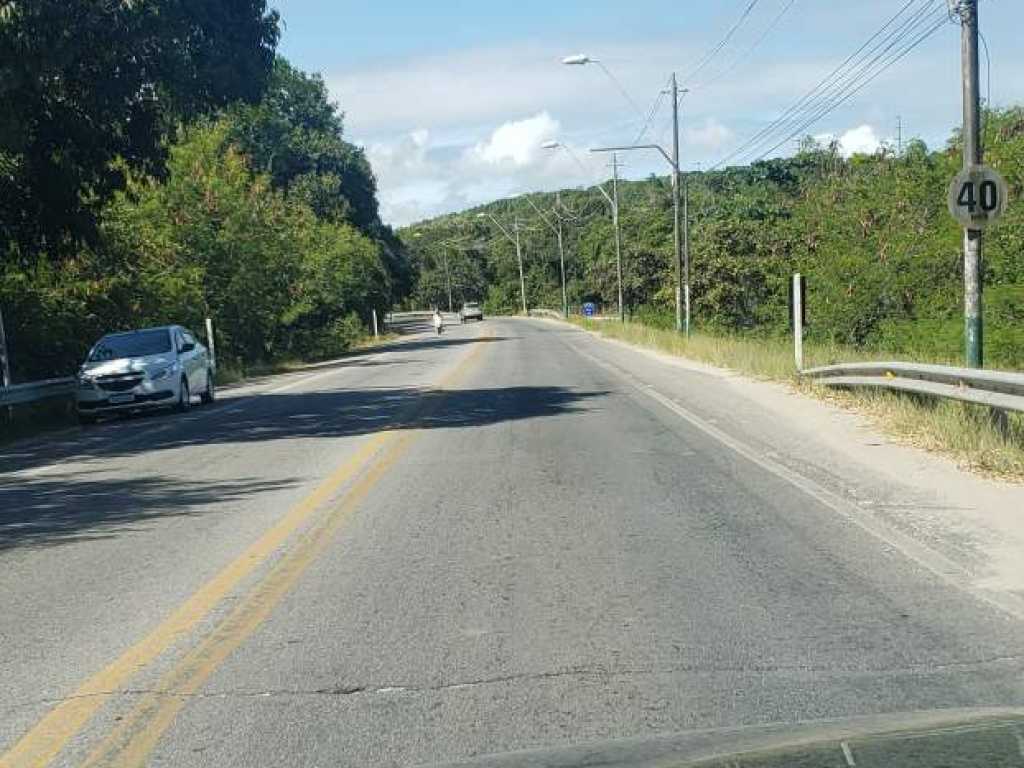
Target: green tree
x=86 y=83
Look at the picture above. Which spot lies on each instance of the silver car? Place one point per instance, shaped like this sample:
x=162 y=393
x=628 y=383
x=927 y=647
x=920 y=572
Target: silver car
x=470 y=311
x=138 y=370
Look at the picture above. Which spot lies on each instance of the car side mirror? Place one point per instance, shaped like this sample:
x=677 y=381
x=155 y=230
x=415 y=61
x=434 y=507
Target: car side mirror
x=186 y=347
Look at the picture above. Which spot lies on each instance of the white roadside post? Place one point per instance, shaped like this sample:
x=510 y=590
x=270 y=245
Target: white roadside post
x=5 y=365
x=210 y=342
x=798 y=320
x=375 y=334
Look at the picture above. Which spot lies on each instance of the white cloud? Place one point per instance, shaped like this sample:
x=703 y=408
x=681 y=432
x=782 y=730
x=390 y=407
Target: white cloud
x=449 y=130
x=861 y=140
x=518 y=141
x=419 y=176
x=712 y=135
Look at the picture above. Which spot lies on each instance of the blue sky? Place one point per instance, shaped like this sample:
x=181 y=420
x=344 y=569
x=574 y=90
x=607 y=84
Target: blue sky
x=452 y=100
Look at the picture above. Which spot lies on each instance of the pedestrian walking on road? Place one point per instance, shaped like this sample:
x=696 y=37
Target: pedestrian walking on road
x=438 y=321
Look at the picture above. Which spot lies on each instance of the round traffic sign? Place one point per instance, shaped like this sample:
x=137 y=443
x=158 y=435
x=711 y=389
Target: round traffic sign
x=977 y=196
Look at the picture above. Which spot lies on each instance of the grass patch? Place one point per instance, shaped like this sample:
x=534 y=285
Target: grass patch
x=962 y=431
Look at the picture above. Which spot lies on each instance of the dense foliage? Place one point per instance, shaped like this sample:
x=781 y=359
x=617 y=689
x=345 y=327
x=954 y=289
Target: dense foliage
x=871 y=233
x=159 y=164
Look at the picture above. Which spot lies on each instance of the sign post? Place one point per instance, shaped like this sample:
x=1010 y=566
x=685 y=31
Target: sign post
x=796 y=294
x=977 y=198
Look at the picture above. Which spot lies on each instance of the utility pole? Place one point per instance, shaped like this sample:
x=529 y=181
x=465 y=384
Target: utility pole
x=618 y=237
x=561 y=257
x=447 y=275
x=522 y=279
x=682 y=261
x=973 y=335
x=899 y=135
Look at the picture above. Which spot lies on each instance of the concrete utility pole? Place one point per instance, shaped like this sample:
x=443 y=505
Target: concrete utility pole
x=682 y=250
x=973 y=331
x=522 y=279
x=557 y=229
x=514 y=239
x=899 y=135
x=682 y=261
x=600 y=188
x=618 y=238
x=5 y=363
x=447 y=276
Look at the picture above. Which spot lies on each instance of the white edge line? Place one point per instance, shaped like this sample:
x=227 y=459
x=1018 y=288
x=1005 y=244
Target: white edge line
x=932 y=561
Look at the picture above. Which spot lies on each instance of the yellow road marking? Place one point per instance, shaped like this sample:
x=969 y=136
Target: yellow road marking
x=40 y=745
x=139 y=731
x=49 y=736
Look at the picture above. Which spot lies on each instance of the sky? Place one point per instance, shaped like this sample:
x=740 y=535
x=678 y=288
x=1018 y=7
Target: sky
x=453 y=101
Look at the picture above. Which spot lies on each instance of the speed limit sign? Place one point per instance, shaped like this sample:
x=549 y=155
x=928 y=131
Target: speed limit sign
x=977 y=196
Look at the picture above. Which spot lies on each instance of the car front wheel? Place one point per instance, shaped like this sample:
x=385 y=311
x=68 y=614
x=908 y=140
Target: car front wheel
x=184 y=397
x=86 y=419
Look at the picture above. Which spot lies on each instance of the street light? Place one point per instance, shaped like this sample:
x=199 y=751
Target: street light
x=682 y=244
x=519 y=252
x=447 y=274
x=581 y=59
x=613 y=201
x=561 y=250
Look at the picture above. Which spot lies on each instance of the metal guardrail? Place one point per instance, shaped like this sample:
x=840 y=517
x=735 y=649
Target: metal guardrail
x=33 y=391
x=998 y=389
x=550 y=313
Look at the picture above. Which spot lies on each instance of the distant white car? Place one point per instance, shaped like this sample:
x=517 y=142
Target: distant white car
x=470 y=311
x=138 y=370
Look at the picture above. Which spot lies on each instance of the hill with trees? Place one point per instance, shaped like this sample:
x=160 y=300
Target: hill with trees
x=871 y=233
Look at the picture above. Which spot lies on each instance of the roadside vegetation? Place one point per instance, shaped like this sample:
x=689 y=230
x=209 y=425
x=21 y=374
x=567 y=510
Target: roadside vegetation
x=965 y=432
x=169 y=166
x=871 y=234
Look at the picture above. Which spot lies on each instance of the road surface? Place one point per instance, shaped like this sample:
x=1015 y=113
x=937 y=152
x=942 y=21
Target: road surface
x=513 y=536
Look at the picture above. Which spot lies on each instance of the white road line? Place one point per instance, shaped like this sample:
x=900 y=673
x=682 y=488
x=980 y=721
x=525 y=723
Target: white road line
x=934 y=562
x=847 y=754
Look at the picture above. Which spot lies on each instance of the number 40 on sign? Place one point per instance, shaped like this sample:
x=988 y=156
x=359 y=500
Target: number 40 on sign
x=977 y=197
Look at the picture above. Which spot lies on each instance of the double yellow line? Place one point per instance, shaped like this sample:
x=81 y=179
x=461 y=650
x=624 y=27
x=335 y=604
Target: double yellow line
x=138 y=732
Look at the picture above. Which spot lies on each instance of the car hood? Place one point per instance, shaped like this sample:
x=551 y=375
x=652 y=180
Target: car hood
x=979 y=737
x=129 y=365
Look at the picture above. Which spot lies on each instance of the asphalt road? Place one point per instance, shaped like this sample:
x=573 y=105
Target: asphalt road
x=513 y=536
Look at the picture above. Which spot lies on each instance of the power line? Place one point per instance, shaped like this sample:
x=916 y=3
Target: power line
x=842 y=77
x=651 y=114
x=835 y=104
x=753 y=47
x=710 y=55
x=812 y=94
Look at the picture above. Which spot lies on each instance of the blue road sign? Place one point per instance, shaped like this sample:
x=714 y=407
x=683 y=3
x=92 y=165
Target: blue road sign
x=590 y=309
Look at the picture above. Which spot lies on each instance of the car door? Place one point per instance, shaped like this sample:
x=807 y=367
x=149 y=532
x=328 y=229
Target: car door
x=200 y=361
x=187 y=359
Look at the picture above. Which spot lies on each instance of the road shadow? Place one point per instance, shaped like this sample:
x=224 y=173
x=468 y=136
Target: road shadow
x=59 y=508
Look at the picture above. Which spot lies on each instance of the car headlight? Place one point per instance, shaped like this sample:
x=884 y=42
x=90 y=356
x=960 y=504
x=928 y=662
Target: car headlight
x=84 y=381
x=160 y=374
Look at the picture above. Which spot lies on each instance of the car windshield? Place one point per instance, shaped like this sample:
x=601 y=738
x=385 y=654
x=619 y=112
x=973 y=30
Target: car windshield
x=471 y=305
x=137 y=344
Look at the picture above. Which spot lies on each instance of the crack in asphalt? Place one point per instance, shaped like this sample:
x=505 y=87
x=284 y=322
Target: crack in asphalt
x=597 y=674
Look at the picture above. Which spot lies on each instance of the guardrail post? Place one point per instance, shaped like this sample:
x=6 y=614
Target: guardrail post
x=798 y=320
x=210 y=342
